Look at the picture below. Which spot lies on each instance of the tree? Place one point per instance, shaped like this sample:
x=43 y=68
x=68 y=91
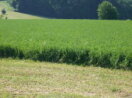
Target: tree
x=73 y=9
x=107 y=11
x=3 y=11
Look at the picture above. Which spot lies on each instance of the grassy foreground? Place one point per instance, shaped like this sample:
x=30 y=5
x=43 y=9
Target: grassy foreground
x=87 y=42
x=28 y=79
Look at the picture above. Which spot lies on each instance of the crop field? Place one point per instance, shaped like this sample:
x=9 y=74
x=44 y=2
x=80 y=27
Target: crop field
x=83 y=42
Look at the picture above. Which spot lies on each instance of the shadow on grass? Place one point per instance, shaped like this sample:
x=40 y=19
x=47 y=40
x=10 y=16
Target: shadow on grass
x=70 y=56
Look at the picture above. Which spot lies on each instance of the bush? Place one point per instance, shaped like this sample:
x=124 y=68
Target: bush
x=3 y=11
x=107 y=11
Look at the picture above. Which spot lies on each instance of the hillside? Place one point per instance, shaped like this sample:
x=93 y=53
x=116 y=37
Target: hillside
x=11 y=14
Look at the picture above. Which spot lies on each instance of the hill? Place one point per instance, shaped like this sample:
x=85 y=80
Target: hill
x=11 y=14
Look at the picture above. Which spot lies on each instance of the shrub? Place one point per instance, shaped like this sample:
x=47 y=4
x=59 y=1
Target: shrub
x=3 y=11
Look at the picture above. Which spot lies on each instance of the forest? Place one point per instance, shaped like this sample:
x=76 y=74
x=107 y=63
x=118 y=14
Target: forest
x=70 y=9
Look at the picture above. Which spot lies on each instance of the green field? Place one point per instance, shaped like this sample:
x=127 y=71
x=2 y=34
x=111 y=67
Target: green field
x=28 y=79
x=85 y=42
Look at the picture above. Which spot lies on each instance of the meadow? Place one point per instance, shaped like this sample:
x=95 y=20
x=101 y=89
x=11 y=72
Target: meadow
x=83 y=42
x=29 y=79
x=12 y=14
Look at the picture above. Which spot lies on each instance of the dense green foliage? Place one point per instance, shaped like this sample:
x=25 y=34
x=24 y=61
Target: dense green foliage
x=107 y=11
x=101 y=43
x=3 y=11
x=70 y=8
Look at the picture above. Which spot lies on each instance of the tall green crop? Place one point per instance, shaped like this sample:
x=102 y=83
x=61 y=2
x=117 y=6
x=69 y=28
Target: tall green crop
x=101 y=43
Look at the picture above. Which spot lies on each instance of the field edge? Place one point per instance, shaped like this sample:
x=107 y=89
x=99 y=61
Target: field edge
x=70 y=56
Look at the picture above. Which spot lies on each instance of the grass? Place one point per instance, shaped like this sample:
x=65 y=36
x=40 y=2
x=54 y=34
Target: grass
x=24 y=78
x=85 y=42
x=11 y=14
x=4 y=4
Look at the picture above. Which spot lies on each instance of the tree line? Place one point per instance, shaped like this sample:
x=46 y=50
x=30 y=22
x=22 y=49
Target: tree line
x=73 y=9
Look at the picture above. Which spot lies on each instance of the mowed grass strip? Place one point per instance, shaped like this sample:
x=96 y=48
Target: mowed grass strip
x=11 y=14
x=29 y=79
x=86 y=42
